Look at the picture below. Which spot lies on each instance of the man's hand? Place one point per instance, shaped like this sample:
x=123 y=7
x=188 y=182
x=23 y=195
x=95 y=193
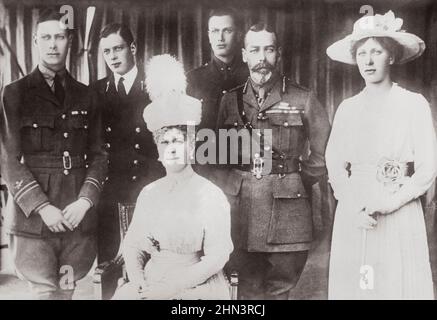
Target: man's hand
x=75 y=211
x=54 y=219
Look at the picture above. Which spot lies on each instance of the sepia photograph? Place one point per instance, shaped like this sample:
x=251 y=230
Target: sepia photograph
x=242 y=151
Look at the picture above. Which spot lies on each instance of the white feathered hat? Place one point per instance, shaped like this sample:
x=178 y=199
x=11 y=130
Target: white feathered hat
x=377 y=26
x=166 y=84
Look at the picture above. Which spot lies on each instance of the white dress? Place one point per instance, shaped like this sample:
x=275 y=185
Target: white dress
x=183 y=223
x=396 y=250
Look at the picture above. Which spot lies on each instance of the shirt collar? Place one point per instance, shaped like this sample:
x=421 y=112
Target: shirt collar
x=129 y=78
x=49 y=75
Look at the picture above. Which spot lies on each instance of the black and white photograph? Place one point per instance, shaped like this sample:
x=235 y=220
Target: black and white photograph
x=242 y=151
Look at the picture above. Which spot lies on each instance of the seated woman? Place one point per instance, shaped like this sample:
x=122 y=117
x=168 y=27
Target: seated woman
x=381 y=157
x=179 y=238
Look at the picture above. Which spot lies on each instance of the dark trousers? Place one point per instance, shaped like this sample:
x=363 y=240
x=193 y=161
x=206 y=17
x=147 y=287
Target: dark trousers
x=265 y=275
x=52 y=265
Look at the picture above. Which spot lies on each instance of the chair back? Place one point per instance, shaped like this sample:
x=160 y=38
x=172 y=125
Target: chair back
x=125 y=213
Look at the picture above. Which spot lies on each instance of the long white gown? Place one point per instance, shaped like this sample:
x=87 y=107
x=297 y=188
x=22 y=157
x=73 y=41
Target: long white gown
x=183 y=223
x=396 y=250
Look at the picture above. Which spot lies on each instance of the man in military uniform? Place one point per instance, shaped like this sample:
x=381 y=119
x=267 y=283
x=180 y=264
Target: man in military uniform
x=132 y=153
x=225 y=71
x=271 y=216
x=54 y=167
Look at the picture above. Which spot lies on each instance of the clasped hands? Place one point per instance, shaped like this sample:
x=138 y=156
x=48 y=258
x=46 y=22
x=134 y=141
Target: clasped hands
x=367 y=216
x=57 y=220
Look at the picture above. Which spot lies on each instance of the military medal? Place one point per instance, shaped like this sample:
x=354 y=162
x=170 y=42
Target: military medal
x=258 y=164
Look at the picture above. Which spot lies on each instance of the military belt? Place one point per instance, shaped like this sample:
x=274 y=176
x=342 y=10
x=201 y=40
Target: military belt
x=279 y=166
x=55 y=162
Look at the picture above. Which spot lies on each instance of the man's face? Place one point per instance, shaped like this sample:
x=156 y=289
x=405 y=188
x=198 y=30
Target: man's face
x=261 y=55
x=118 y=55
x=223 y=35
x=52 y=41
x=373 y=61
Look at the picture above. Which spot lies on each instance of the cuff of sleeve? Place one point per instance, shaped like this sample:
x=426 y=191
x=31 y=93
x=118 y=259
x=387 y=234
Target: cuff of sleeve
x=89 y=201
x=31 y=198
x=41 y=206
x=91 y=190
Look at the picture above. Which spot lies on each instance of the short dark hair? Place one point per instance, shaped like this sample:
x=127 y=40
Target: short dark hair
x=118 y=28
x=262 y=26
x=227 y=11
x=51 y=14
x=393 y=47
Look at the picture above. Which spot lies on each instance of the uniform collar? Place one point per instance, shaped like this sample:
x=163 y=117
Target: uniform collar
x=129 y=78
x=49 y=74
x=268 y=85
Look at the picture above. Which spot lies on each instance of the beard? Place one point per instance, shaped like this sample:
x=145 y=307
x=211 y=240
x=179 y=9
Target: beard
x=262 y=72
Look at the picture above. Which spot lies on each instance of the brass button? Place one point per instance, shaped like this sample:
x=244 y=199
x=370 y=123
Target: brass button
x=134 y=178
x=35 y=125
x=66 y=153
x=87 y=165
x=85 y=126
x=107 y=145
x=107 y=178
x=285 y=124
x=65 y=135
x=224 y=91
x=299 y=195
x=137 y=129
x=63 y=116
x=280 y=166
x=135 y=162
x=235 y=124
x=137 y=146
x=108 y=129
x=66 y=172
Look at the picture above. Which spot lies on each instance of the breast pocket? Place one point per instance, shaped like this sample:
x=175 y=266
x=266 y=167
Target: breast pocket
x=37 y=133
x=288 y=130
x=291 y=220
x=80 y=127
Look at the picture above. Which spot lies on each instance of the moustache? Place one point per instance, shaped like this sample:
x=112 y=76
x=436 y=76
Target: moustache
x=263 y=65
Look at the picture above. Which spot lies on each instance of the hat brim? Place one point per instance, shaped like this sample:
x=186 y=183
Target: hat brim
x=412 y=44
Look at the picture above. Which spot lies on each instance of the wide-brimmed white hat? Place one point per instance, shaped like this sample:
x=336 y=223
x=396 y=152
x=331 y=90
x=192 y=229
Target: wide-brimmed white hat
x=171 y=106
x=377 y=26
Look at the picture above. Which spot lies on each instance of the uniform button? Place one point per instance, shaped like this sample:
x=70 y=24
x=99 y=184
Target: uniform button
x=65 y=135
x=201 y=100
x=35 y=125
x=224 y=91
x=107 y=178
x=108 y=129
x=134 y=178
x=63 y=116
x=107 y=145
x=85 y=126
x=280 y=166
x=66 y=153
x=137 y=129
x=285 y=124
x=135 y=162
x=235 y=124
x=137 y=146
x=87 y=165
x=66 y=172
x=299 y=195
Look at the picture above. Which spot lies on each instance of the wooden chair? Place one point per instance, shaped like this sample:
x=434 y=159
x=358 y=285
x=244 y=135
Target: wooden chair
x=106 y=272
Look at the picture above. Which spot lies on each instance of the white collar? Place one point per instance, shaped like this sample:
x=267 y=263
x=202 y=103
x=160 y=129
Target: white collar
x=129 y=78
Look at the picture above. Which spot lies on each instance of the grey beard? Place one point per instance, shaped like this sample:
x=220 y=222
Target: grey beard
x=260 y=78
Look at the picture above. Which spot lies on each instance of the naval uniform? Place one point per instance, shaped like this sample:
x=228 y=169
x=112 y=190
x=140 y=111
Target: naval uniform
x=133 y=156
x=271 y=214
x=51 y=152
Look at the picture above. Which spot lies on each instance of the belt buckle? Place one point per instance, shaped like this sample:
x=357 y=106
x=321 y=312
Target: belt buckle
x=66 y=161
x=258 y=164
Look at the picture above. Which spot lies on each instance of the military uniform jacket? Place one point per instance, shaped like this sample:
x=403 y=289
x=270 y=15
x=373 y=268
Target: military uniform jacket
x=273 y=214
x=132 y=152
x=50 y=151
x=207 y=84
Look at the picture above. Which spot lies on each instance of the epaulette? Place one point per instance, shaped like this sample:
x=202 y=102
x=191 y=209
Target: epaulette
x=288 y=81
x=243 y=85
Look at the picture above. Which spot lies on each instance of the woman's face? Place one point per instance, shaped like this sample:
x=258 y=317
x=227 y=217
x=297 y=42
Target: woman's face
x=373 y=61
x=172 y=149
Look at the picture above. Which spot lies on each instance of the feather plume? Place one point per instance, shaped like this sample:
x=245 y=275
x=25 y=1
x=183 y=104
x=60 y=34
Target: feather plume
x=164 y=75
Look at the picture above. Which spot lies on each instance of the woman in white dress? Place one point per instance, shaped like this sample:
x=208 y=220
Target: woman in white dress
x=179 y=238
x=381 y=157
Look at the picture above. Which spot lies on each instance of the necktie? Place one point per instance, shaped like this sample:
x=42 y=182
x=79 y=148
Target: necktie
x=59 y=89
x=120 y=88
x=261 y=96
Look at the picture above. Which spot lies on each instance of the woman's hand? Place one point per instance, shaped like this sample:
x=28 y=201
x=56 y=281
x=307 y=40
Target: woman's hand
x=365 y=219
x=382 y=205
x=158 y=291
